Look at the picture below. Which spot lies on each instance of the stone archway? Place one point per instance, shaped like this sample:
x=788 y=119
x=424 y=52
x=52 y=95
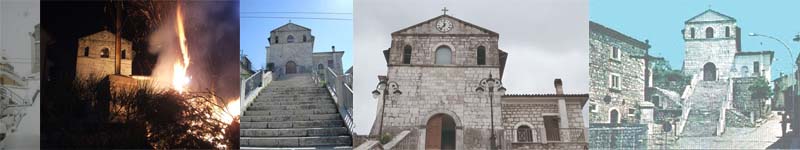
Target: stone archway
x=291 y=67
x=614 y=117
x=709 y=72
x=440 y=132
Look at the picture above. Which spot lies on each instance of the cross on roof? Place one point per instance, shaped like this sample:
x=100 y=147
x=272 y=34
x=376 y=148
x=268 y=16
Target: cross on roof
x=445 y=10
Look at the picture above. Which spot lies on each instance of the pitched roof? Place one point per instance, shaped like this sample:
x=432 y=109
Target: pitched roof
x=710 y=15
x=431 y=21
x=290 y=27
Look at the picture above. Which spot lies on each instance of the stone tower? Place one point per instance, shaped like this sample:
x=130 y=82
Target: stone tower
x=712 y=41
x=437 y=65
x=96 y=56
x=290 y=48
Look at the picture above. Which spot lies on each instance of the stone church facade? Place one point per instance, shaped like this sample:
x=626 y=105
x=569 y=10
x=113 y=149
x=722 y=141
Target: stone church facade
x=96 y=56
x=291 y=50
x=437 y=66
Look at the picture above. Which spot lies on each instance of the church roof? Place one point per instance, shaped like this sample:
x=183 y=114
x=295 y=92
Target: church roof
x=710 y=16
x=291 y=27
x=105 y=35
x=468 y=28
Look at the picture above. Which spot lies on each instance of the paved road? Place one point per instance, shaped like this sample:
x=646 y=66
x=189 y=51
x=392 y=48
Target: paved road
x=761 y=137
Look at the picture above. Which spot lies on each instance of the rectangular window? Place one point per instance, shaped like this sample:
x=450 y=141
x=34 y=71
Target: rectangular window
x=330 y=64
x=757 y=68
x=615 y=81
x=615 y=53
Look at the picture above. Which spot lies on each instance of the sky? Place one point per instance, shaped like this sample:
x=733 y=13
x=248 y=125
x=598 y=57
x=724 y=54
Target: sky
x=545 y=39
x=661 y=22
x=17 y=21
x=327 y=32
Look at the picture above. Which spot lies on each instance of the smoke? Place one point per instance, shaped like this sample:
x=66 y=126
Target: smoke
x=212 y=32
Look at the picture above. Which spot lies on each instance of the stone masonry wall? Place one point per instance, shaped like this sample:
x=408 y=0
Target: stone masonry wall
x=630 y=67
x=299 y=52
x=323 y=57
x=96 y=66
x=534 y=114
x=428 y=91
x=719 y=50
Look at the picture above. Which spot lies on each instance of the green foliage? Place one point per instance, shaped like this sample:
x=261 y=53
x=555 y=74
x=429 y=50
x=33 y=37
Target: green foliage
x=760 y=90
x=385 y=138
x=667 y=78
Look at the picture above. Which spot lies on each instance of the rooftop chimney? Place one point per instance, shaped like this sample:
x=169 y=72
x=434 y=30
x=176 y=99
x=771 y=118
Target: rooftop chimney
x=559 y=89
x=333 y=48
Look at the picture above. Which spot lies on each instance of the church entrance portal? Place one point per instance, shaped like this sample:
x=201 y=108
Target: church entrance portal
x=709 y=72
x=291 y=67
x=440 y=133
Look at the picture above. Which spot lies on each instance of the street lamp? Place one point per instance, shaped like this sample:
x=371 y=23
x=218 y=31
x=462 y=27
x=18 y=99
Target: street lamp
x=377 y=92
x=779 y=40
x=491 y=83
x=794 y=64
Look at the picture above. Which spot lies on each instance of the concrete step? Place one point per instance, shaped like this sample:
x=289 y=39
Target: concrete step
x=293 y=96
x=288 y=102
x=293 y=124
x=277 y=118
x=294 y=132
x=293 y=99
x=296 y=141
x=289 y=112
x=301 y=148
x=292 y=107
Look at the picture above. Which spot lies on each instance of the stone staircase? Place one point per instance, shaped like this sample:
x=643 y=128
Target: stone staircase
x=706 y=103
x=294 y=113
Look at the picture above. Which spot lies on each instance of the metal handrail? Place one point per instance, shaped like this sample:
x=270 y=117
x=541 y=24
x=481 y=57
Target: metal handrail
x=251 y=83
x=340 y=91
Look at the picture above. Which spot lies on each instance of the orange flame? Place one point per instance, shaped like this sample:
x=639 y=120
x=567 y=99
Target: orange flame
x=179 y=78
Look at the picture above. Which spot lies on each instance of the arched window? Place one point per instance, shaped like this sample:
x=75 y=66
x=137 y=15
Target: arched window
x=709 y=32
x=290 y=39
x=727 y=31
x=104 y=53
x=276 y=39
x=481 y=55
x=86 y=51
x=304 y=38
x=524 y=134
x=320 y=67
x=691 y=32
x=443 y=55
x=123 y=55
x=407 y=54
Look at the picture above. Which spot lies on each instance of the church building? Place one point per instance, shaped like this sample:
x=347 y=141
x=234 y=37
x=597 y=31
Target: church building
x=438 y=72
x=96 y=56
x=291 y=51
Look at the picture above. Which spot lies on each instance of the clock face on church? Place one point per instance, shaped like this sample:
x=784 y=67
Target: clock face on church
x=444 y=25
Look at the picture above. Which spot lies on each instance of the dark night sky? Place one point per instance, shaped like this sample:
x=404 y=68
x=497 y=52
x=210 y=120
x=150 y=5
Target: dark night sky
x=212 y=28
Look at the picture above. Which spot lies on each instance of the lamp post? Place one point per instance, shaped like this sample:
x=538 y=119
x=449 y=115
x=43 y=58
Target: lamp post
x=794 y=64
x=490 y=84
x=377 y=92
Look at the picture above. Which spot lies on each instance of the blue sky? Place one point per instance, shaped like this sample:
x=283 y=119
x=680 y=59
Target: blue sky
x=661 y=23
x=254 y=31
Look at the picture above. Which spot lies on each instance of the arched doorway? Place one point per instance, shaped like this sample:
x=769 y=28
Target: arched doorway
x=440 y=132
x=709 y=72
x=291 y=67
x=614 y=117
